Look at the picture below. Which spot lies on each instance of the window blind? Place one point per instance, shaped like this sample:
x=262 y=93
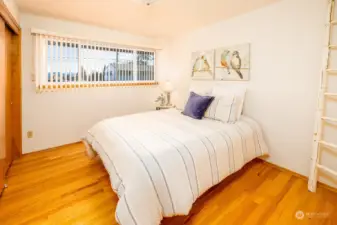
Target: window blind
x=72 y=63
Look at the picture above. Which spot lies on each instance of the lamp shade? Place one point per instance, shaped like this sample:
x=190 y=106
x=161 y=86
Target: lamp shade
x=167 y=86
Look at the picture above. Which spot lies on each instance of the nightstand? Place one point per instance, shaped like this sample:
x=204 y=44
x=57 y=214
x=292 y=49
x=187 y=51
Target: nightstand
x=164 y=107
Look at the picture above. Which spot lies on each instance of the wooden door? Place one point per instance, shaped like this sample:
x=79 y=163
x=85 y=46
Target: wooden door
x=3 y=76
x=10 y=99
x=10 y=91
x=16 y=94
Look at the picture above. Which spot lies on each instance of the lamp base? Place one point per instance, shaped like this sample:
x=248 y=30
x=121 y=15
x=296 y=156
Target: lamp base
x=168 y=95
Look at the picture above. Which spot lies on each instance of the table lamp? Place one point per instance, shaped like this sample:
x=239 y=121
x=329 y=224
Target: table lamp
x=168 y=88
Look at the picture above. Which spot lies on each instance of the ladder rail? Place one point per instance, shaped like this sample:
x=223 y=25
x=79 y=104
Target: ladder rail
x=315 y=158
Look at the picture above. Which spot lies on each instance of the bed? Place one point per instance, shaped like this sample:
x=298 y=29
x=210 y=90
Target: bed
x=160 y=162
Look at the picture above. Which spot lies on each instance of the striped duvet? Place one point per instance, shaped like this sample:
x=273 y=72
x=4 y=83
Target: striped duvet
x=160 y=162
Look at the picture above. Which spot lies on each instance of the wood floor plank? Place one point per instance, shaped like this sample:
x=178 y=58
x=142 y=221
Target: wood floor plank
x=62 y=186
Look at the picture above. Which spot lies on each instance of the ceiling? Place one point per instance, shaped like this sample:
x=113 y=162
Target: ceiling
x=163 y=18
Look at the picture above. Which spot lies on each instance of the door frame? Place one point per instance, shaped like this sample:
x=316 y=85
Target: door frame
x=9 y=18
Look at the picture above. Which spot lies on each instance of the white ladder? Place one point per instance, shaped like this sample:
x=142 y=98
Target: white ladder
x=321 y=119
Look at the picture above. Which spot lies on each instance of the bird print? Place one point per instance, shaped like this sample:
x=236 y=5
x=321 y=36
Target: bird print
x=201 y=65
x=236 y=63
x=224 y=60
x=206 y=66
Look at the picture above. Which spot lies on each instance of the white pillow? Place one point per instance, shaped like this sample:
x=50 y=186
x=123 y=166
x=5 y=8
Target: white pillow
x=238 y=92
x=223 y=108
x=183 y=95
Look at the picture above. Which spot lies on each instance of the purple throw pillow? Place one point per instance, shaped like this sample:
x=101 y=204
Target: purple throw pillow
x=197 y=105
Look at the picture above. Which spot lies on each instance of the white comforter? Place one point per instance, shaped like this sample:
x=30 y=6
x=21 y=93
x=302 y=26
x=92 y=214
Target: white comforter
x=160 y=162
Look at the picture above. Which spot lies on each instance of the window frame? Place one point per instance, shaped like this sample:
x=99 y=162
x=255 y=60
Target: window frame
x=60 y=82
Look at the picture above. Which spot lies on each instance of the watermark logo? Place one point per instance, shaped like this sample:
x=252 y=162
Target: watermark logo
x=299 y=215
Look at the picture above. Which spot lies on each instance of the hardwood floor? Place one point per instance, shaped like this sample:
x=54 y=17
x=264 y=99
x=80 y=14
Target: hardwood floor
x=62 y=186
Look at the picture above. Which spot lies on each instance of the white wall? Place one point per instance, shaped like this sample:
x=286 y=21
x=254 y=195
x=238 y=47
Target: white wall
x=63 y=117
x=286 y=54
x=13 y=8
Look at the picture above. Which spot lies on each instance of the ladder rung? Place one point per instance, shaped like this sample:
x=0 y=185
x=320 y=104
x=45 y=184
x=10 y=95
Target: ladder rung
x=326 y=169
x=331 y=71
x=334 y=22
x=330 y=94
x=329 y=145
x=329 y=119
x=333 y=46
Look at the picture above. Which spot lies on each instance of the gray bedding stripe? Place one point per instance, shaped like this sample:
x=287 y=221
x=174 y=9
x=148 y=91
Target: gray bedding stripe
x=209 y=110
x=161 y=171
x=253 y=136
x=128 y=207
x=216 y=158
x=234 y=168
x=209 y=158
x=229 y=161
x=216 y=107
x=230 y=111
x=182 y=158
x=249 y=122
x=192 y=158
x=140 y=159
x=242 y=141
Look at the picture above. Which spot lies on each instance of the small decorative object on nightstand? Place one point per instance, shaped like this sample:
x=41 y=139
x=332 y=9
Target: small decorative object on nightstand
x=165 y=99
x=161 y=99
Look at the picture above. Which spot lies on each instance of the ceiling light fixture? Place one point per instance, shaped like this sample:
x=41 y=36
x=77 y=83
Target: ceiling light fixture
x=146 y=2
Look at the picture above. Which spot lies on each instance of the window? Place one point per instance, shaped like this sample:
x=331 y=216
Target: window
x=62 y=62
x=67 y=63
x=145 y=65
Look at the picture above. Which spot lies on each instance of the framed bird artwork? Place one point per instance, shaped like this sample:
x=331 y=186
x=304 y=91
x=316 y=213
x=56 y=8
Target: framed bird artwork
x=203 y=65
x=232 y=63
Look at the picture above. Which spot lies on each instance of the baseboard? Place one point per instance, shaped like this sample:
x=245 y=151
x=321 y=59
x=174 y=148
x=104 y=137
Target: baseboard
x=51 y=148
x=319 y=183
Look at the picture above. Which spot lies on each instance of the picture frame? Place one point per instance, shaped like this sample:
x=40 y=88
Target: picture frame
x=232 y=63
x=202 y=65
